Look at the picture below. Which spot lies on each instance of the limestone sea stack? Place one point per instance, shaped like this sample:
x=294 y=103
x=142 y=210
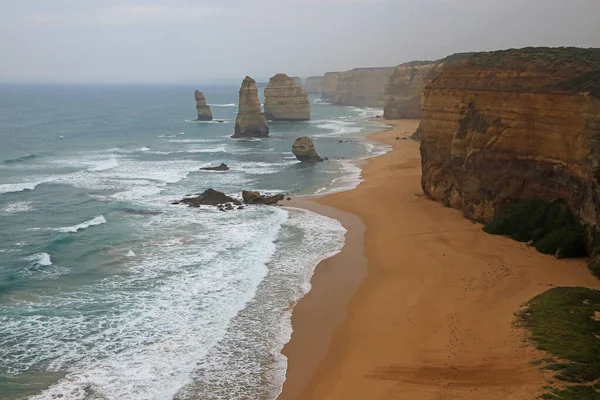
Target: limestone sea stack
x=204 y=113
x=516 y=125
x=285 y=100
x=313 y=84
x=250 y=121
x=304 y=150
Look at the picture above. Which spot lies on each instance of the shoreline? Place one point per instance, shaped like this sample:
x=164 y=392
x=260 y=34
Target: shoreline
x=432 y=316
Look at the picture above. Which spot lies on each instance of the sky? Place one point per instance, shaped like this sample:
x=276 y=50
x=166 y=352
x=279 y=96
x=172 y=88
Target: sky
x=185 y=41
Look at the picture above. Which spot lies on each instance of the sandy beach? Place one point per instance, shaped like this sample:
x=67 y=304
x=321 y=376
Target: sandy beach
x=420 y=302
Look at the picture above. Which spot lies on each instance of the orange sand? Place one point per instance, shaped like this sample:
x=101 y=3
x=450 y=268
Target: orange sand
x=433 y=318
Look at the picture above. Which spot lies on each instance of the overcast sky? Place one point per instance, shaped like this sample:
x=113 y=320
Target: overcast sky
x=198 y=40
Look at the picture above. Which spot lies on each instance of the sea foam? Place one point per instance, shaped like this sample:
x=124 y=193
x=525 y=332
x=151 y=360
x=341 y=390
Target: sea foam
x=96 y=221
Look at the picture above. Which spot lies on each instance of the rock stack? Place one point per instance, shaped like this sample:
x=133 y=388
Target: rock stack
x=304 y=150
x=204 y=113
x=250 y=121
x=285 y=100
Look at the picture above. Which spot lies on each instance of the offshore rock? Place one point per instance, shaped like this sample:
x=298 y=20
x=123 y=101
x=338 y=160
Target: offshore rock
x=250 y=121
x=209 y=197
x=251 y=197
x=507 y=126
x=313 y=84
x=204 y=113
x=221 y=167
x=304 y=150
x=285 y=100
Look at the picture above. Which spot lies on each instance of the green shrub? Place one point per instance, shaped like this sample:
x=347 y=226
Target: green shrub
x=562 y=321
x=550 y=225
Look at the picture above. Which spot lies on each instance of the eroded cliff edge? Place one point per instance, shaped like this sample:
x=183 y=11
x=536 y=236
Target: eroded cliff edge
x=506 y=126
x=360 y=87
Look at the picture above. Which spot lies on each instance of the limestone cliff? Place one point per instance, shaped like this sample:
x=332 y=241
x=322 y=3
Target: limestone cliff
x=329 y=85
x=250 y=121
x=313 y=84
x=285 y=100
x=513 y=125
x=362 y=87
x=204 y=113
x=403 y=92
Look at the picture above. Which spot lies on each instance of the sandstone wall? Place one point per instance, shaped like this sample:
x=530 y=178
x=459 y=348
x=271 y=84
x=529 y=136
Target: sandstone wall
x=403 y=92
x=361 y=87
x=285 y=100
x=511 y=125
x=329 y=88
x=313 y=84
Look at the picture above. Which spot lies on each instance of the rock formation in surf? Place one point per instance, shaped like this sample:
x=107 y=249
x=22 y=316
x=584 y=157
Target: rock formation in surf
x=204 y=113
x=360 y=87
x=507 y=126
x=251 y=197
x=250 y=121
x=285 y=100
x=313 y=84
x=304 y=150
x=209 y=197
x=220 y=167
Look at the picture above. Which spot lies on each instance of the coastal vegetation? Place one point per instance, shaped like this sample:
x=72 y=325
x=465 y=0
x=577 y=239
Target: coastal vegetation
x=549 y=226
x=565 y=322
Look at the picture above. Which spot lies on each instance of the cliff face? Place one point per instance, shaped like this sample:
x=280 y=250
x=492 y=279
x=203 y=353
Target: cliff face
x=313 y=84
x=204 y=113
x=329 y=85
x=285 y=100
x=361 y=87
x=515 y=125
x=250 y=121
x=403 y=92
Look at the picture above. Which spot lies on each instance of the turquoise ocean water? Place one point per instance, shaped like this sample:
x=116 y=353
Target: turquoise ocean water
x=107 y=291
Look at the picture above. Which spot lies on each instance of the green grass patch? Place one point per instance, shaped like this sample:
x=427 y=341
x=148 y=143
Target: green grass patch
x=563 y=322
x=551 y=227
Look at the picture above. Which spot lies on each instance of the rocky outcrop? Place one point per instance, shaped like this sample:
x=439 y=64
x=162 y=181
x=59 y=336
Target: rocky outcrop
x=220 y=167
x=361 y=87
x=204 y=113
x=285 y=100
x=251 y=197
x=209 y=197
x=250 y=121
x=313 y=84
x=329 y=86
x=403 y=92
x=304 y=150
x=507 y=126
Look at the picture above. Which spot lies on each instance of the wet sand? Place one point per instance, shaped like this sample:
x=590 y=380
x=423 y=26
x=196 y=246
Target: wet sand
x=420 y=302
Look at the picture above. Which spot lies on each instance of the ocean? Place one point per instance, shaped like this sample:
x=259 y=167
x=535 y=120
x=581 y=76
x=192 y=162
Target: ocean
x=107 y=290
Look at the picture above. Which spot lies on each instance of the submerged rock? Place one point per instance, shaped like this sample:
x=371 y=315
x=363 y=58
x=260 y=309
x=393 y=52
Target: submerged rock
x=204 y=113
x=285 y=100
x=222 y=167
x=209 y=197
x=304 y=150
x=250 y=121
x=251 y=197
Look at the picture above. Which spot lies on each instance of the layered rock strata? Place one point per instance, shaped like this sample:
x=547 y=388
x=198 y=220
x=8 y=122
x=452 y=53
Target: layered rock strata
x=507 y=126
x=403 y=92
x=285 y=100
x=304 y=150
x=204 y=113
x=361 y=87
x=250 y=121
